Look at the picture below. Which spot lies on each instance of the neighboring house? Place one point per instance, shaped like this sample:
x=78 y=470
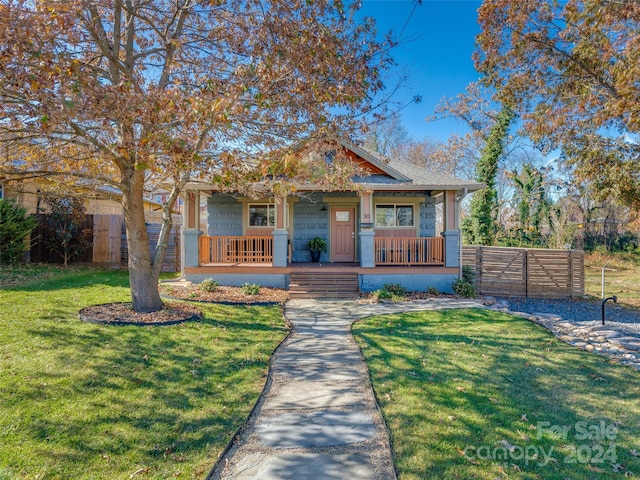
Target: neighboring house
x=387 y=234
x=108 y=247
x=29 y=197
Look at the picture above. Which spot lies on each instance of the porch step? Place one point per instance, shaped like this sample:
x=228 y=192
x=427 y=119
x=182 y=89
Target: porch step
x=323 y=285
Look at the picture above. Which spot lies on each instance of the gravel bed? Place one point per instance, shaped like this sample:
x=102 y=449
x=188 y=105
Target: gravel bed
x=625 y=320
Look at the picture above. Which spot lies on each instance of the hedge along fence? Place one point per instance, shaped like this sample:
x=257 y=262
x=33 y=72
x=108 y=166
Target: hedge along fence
x=526 y=272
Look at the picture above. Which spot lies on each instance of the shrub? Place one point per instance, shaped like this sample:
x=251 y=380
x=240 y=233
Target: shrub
x=209 y=285
x=395 y=289
x=432 y=291
x=65 y=222
x=468 y=274
x=464 y=286
x=15 y=227
x=382 y=294
x=390 y=291
x=251 y=289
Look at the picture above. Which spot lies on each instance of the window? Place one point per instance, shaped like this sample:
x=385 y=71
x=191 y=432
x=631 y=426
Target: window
x=342 y=216
x=394 y=215
x=262 y=215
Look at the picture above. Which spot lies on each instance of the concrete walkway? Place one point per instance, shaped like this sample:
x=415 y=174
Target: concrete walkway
x=317 y=417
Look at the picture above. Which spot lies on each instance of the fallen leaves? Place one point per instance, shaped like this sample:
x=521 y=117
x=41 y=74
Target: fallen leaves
x=224 y=294
x=124 y=313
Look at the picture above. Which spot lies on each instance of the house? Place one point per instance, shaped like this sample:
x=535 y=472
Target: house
x=401 y=227
x=104 y=216
x=28 y=195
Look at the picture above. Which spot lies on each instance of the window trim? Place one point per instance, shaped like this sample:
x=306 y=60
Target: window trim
x=395 y=206
x=270 y=206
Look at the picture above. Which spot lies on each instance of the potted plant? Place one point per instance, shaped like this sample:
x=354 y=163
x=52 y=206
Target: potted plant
x=316 y=245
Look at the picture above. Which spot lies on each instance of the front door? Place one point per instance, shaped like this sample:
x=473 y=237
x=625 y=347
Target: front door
x=343 y=235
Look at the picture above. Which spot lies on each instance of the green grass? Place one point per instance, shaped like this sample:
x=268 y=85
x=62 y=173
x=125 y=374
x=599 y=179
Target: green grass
x=623 y=282
x=103 y=402
x=456 y=385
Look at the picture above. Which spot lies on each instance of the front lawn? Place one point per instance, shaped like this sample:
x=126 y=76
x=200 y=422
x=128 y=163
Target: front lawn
x=476 y=394
x=103 y=402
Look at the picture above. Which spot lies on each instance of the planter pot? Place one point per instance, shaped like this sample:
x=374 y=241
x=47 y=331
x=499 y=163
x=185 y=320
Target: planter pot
x=315 y=256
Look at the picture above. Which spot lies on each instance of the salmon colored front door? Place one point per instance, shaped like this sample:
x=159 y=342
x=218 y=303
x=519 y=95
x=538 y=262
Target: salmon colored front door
x=343 y=235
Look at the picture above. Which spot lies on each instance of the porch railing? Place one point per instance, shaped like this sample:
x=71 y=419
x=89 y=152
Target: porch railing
x=409 y=250
x=230 y=249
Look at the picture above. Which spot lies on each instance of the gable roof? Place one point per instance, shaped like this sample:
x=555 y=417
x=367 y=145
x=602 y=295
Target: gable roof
x=387 y=174
x=401 y=175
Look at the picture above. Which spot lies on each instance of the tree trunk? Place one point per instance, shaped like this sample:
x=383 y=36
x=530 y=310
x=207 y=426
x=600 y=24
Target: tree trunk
x=143 y=278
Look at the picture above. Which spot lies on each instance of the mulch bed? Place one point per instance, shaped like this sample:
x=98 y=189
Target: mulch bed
x=232 y=295
x=123 y=314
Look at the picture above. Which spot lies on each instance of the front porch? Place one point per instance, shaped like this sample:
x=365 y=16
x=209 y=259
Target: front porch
x=415 y=262
x=265 y=241
x=258 y=250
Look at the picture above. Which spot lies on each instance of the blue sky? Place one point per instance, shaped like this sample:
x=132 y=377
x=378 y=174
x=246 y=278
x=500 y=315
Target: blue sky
x=437 y=55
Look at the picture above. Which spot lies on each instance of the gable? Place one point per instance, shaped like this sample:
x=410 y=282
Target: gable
x=368 y=167
x=372 y=164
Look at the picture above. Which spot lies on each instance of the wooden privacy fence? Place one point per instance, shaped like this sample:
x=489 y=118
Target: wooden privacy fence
x=106 y=238
x=172 y=254
x=109 y=243
x=526 y=272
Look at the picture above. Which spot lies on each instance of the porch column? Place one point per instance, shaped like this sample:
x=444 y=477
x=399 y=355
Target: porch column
x=191 y=229
x=280 y=233
x=451 y=248
x=367 y=234
x=450 y=211
x=451 y=233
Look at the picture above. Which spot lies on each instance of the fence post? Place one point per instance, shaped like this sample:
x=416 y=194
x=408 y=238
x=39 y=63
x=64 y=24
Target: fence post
x=480 y=269
x=525 y=269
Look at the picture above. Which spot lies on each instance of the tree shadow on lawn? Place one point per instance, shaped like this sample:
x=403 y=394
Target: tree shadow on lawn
x=155 y=396
x=75 y=280
x=454 y=380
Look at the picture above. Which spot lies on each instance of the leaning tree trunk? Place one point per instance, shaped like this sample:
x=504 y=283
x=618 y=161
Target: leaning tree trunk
x=143 y=278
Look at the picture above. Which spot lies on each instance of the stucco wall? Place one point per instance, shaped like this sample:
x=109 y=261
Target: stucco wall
x=224 y=215
x=410 y=281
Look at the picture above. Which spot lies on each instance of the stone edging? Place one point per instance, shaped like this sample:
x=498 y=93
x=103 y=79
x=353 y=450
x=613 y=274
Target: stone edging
x=598 y=339
x=218 y=466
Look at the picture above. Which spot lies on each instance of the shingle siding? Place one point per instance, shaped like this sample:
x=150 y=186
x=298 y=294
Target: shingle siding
x=225 y=215
x=309 y=221
x=428 y=218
